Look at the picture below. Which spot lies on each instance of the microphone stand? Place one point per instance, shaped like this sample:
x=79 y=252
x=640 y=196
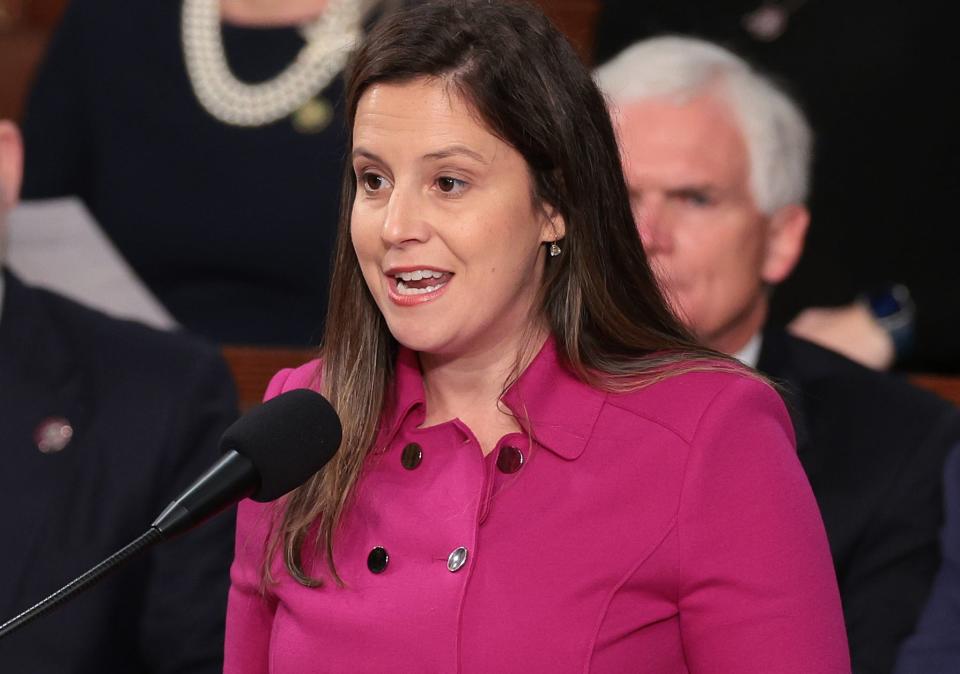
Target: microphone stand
x=77 y=585
x=230 y=479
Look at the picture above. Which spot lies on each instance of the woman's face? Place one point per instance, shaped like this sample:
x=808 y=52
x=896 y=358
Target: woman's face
x=444 y=225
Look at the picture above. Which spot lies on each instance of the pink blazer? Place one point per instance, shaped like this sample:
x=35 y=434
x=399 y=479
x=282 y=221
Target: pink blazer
x=669 y=529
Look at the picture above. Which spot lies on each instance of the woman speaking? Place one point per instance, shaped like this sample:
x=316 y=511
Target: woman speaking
x=540 y=471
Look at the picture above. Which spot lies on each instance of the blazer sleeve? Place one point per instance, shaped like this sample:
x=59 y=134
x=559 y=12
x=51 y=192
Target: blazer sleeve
x=250 y=607
x=758 y=592
x=936 y=645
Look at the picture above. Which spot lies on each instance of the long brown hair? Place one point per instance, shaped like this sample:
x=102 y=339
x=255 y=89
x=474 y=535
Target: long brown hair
x=599 y=297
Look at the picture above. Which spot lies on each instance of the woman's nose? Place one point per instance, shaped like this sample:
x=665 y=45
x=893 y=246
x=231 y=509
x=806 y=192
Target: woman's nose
x=405 y=220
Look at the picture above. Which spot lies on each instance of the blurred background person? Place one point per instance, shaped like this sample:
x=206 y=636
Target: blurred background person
x=540 y=472
x=717 y=162
x=206 y=137
x=102 y=423
x=880 y=267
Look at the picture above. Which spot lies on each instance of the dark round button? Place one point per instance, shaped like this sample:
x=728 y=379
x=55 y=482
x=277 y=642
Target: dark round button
x=412 y=456
x=509 y=460
x=377 y=560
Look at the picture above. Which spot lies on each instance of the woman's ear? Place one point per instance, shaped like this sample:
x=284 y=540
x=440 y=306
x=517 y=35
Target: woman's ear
x=554 y=227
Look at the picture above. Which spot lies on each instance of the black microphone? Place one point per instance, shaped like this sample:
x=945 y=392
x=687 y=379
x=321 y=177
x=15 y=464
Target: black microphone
x=269 y=451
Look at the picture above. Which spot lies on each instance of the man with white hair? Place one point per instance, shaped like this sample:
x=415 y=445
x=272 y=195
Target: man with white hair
x=717 y=162
x=102 y=423
x=880 y=259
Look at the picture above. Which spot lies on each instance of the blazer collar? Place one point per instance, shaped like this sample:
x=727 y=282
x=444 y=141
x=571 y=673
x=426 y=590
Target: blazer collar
x=550 y=403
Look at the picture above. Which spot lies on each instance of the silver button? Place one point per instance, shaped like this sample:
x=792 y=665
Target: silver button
x=456 y=559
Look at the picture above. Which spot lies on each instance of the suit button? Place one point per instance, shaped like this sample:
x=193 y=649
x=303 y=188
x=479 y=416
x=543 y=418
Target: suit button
x=456 y=559
x=412 y=456
x=377 y=560
x=509 y=460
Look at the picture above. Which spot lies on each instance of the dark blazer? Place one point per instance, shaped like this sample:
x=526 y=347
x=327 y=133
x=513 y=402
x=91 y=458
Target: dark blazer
x=936 y=645
x=873 y=447
x=147 y=409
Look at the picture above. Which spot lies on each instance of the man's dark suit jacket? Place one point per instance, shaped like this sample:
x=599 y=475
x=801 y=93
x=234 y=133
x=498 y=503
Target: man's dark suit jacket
x=873 y=448
x=936 y=645
x=147 y=409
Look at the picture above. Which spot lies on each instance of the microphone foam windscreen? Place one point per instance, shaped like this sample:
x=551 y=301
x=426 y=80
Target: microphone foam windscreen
x=287 y=438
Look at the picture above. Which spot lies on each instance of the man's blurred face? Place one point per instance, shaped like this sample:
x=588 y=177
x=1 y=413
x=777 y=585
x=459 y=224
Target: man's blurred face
x=688 y=171
x=11 y=171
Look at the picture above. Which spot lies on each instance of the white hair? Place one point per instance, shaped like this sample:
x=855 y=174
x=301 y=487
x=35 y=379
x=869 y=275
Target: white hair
x=778 y=138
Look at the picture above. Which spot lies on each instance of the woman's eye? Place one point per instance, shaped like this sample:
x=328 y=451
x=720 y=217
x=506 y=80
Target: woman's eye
x=450 y=185
x=372 y=182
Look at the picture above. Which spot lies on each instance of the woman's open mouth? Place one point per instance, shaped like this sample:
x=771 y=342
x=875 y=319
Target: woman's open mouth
x=417 y=286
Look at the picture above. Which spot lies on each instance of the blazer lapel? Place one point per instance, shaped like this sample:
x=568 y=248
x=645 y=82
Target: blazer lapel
x=41 y=380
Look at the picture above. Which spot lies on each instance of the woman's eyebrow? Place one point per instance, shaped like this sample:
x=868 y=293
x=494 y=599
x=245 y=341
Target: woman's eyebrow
x=443 y=153
x=453 y=150
x=363 y=152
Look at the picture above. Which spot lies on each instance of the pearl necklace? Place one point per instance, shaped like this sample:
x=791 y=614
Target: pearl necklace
x=330 y=39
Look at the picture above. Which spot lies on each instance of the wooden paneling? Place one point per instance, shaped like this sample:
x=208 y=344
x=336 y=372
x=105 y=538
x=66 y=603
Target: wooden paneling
x=943 y=386
x=253 y=366
x=43 y=13
x=20 y=53
x=577 y=19
x=39 y=14
x=25 y=27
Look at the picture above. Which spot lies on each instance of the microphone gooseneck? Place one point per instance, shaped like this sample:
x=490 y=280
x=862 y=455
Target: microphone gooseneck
x=78 y=585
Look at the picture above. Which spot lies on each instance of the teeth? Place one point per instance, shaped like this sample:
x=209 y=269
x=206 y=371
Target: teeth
x=404 y=290
x=419 y=275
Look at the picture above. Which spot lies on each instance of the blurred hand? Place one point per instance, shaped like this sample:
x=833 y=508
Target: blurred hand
x=850 y=330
